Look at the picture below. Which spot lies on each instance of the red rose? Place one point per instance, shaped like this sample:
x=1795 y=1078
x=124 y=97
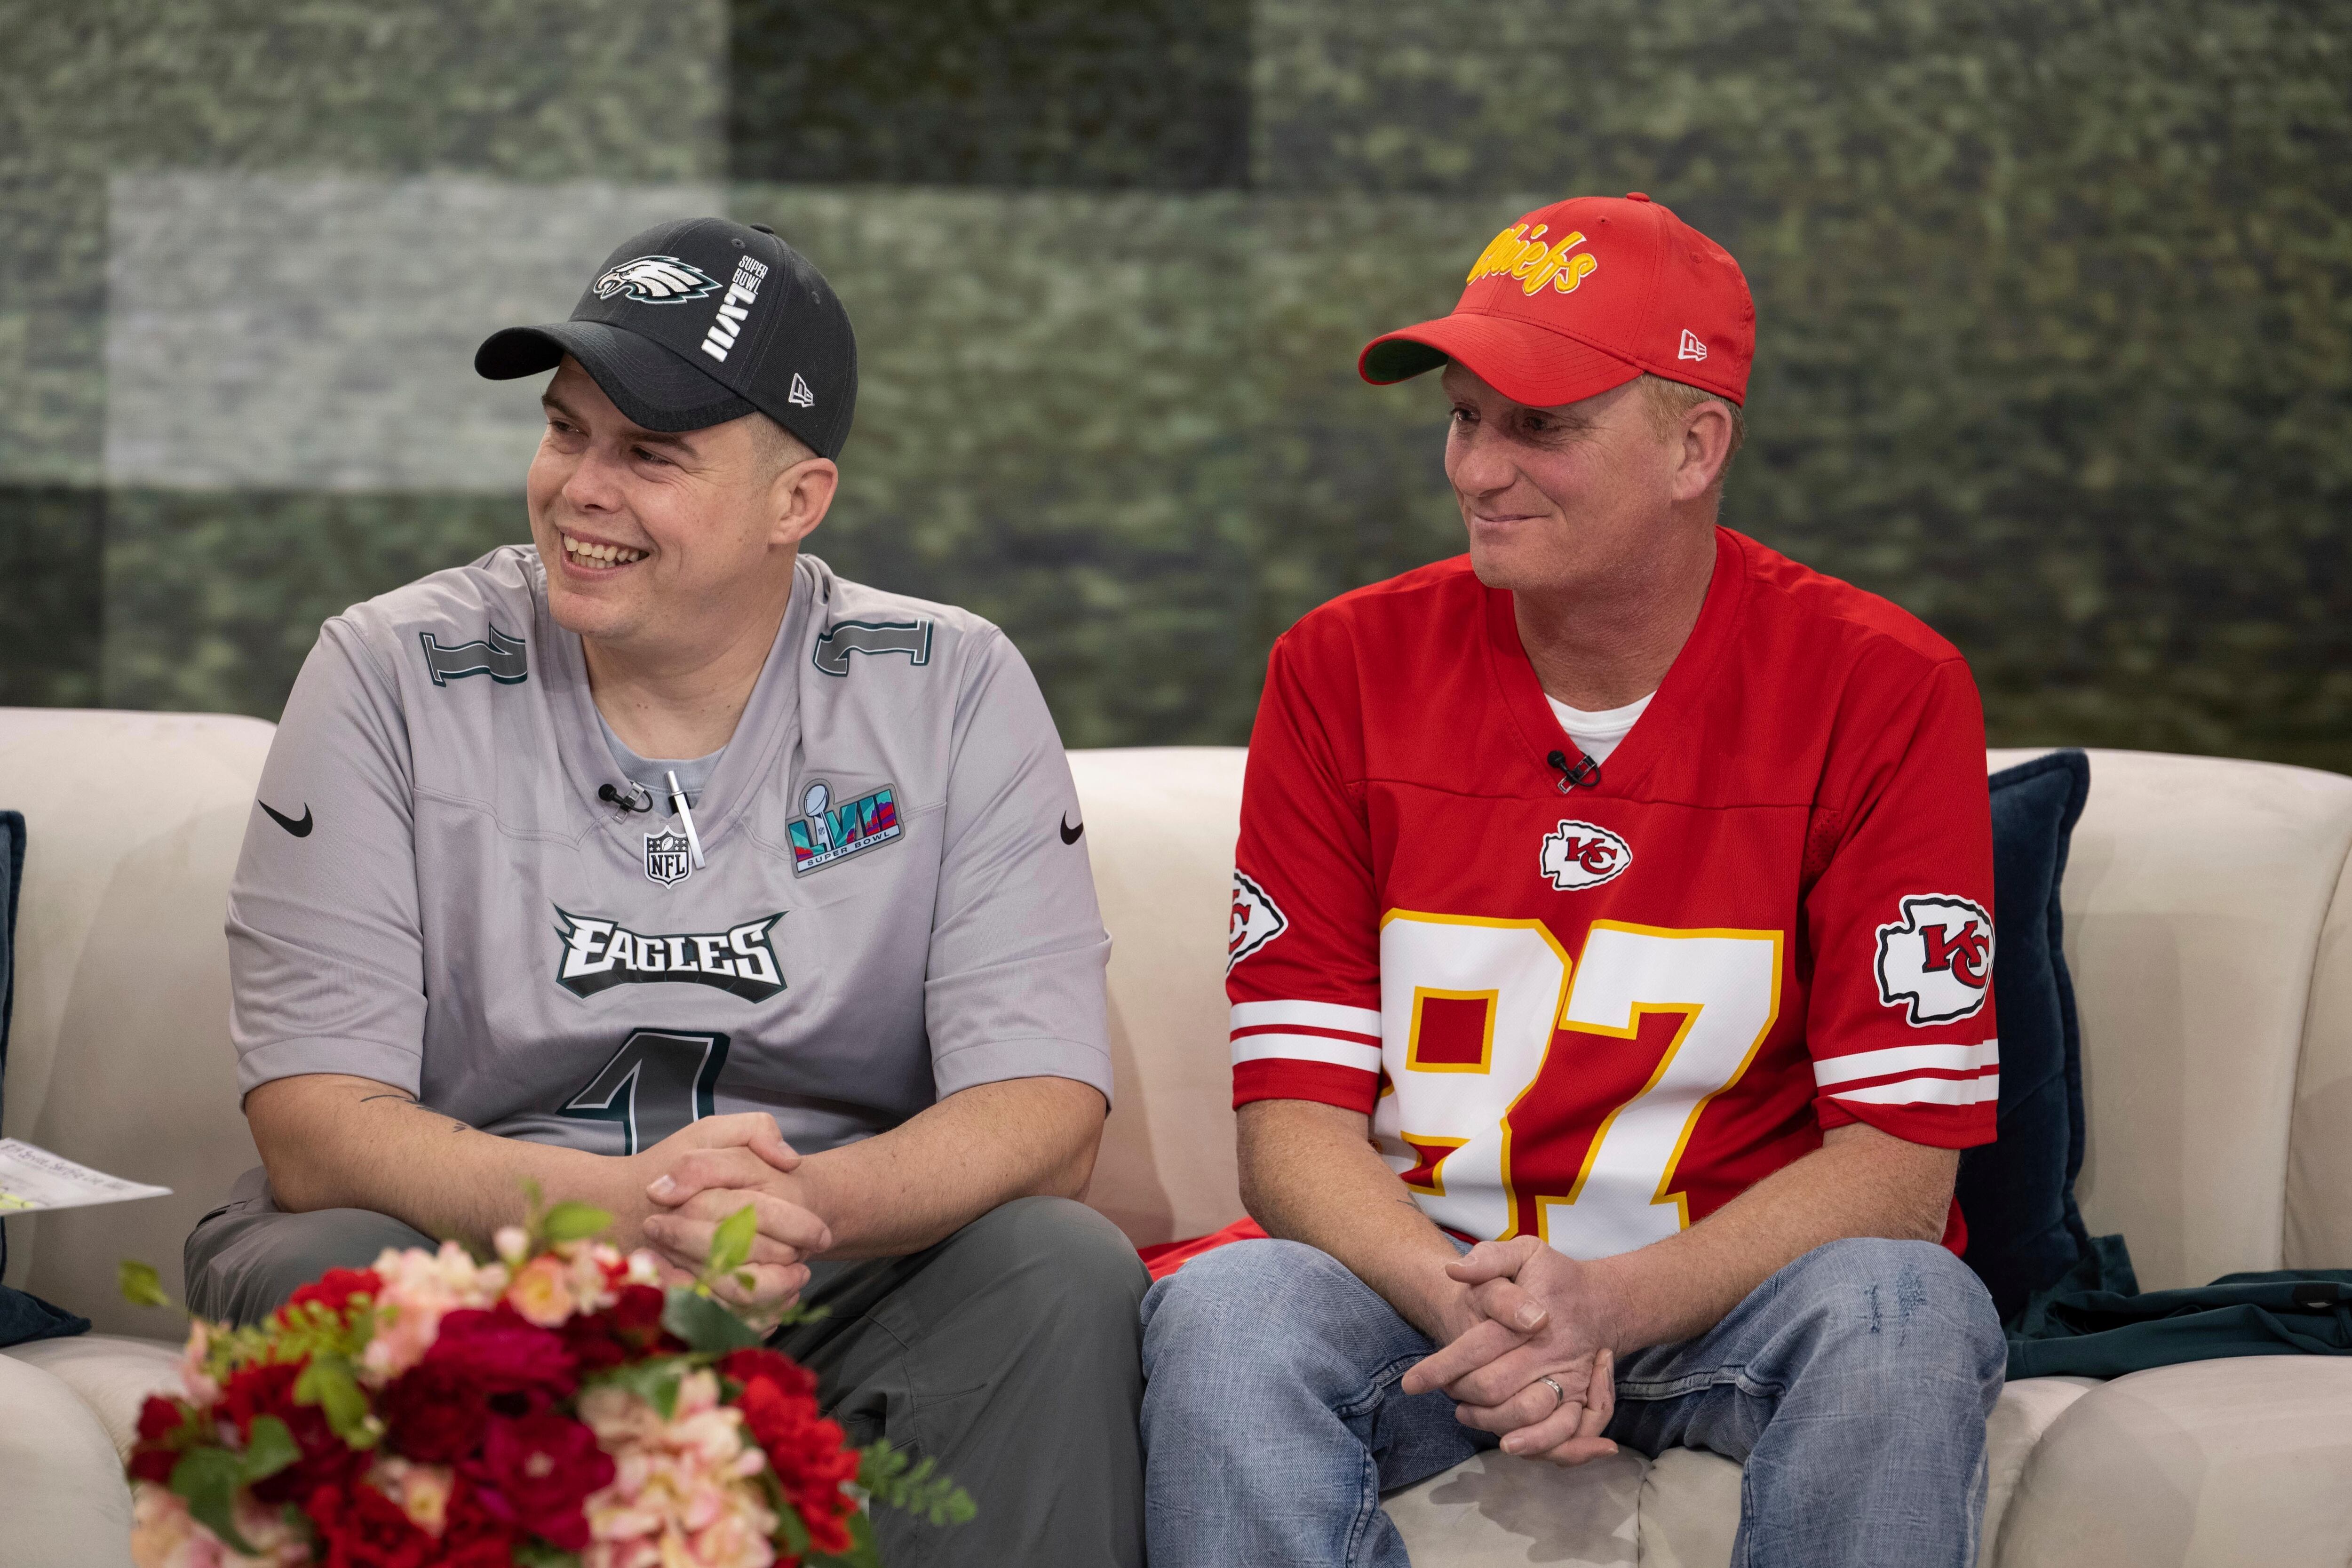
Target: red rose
x=361 y=1528
x=535 y=1472
x=334 y=1290
x=268 y=1390
x=503 y=1354
x=434 y=1413
x=160 y=1421
x=628 y=1329
x=787 y=1374
x=471 y=1536
x=808 y=1454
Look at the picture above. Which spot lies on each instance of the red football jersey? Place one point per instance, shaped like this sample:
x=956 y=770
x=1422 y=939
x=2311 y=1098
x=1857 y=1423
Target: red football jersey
x=1599 y=1014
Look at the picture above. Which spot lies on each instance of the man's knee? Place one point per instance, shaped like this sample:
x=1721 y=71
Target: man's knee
x=1907 y=1309
x=1056 y=1257
x=241 y=1266
x=1252 y=1310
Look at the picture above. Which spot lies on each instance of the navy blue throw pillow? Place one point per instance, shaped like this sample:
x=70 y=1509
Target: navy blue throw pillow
x=22 y=1317
x=2017 y=1193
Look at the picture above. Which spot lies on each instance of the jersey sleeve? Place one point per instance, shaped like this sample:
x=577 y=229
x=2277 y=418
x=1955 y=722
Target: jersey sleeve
x=1899 y=923
x=1303 y=951
x=325 y=944
x=1015 y=983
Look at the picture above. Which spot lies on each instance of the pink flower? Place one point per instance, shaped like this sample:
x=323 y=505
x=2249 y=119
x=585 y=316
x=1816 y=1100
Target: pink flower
x=420 y=1288
x=541 y=1291
x=683 y=1493
x=164 y=1534
x=421 y=1491
x=202 y=1389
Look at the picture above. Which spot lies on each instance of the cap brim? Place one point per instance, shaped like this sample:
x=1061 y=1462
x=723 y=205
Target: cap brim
x=1526 y=362
x=657 y=387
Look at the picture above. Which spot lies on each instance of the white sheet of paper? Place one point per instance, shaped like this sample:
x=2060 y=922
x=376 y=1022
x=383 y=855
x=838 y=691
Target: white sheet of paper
x=33 y=1178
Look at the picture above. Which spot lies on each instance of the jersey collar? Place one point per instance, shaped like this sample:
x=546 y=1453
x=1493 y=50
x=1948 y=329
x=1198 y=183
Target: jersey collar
x=1670 y=712
x=766 y=727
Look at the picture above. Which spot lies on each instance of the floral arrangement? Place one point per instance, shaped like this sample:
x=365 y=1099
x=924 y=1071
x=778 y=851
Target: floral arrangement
x=552 y=1406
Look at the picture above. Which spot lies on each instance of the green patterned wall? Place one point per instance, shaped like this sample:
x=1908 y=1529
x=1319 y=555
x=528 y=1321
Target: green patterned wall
x=2054 y=312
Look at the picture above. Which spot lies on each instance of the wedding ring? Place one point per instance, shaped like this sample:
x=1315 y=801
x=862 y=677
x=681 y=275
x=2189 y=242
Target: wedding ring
x=1559 y=1394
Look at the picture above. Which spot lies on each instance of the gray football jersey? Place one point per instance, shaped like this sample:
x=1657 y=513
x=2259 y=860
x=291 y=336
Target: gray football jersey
x=894 y=903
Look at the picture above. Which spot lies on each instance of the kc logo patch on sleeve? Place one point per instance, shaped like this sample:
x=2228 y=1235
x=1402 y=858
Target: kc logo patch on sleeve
x=1937 y=960
x=830 y=833
x=1257 y=921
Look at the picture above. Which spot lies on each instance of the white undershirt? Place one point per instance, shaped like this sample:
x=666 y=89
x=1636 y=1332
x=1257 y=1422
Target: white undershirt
x=1597 y=734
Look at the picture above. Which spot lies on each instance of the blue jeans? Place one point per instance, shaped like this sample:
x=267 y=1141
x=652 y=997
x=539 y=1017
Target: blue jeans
x=1853 y=1386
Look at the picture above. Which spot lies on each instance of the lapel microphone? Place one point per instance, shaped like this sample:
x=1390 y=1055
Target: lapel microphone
x=1585 y=774
x=615 y=797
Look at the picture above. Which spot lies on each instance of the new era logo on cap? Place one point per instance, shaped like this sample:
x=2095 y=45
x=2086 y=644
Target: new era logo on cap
x=1582 y=296
x=800 y=392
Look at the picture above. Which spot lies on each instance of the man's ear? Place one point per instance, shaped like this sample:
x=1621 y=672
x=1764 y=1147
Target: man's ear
x=799 y=497
x=1702 y=449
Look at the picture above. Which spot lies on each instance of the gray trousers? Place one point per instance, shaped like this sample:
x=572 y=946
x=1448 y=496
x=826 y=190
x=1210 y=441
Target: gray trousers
x=1008 y=1352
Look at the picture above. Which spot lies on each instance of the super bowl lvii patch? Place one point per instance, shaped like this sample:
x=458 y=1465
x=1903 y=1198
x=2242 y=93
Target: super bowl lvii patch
x=831 y=832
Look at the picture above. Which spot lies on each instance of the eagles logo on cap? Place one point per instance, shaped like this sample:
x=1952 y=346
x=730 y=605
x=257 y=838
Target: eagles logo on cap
x=747 y=324
x=654 y=280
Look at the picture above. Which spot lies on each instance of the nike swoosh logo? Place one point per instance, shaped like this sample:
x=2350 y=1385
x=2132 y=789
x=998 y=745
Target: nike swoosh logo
x=298 y=829
x=1069 y=834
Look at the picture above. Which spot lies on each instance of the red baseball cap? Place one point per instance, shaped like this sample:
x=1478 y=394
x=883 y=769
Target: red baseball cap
x=1584 y=295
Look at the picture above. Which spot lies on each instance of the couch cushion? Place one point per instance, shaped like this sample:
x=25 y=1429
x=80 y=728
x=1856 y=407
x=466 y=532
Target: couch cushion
x=1161 y=824
x=2217 y=1463
x=2320 y=1157
x=1680 y=1510
x=63 y=1501
x=119 y=1054
x=113 y=1375
x=2017 y=1193
x=2196 y=891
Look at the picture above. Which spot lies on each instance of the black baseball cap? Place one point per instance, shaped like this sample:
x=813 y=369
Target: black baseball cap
x=693 y=323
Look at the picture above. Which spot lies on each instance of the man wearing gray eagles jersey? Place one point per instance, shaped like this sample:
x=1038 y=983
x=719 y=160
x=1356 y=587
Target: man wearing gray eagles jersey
x=657 y=864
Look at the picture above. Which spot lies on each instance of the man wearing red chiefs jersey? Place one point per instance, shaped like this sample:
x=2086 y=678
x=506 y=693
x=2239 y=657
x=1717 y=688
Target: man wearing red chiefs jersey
x=1611 y=967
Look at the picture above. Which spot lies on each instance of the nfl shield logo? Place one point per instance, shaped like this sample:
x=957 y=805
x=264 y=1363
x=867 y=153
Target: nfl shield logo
x=666 y=860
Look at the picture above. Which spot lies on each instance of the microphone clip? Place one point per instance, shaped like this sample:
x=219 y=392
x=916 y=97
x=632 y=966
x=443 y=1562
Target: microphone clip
x=1584 y=774
x=629 y=801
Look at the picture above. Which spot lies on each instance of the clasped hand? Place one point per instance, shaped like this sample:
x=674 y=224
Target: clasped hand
x=707 y=1171
x=1528 y=1315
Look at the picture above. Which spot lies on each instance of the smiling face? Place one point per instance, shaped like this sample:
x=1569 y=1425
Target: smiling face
x=663 y=545
x=1576 y=498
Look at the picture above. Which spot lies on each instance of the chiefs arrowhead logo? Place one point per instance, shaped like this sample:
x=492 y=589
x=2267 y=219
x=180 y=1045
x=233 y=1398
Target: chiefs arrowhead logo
x=1580 y=855
x=1255 y=920
x=1937 y=960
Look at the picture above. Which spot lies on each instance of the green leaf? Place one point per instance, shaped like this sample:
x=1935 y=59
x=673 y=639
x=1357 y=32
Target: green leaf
x=706 y=1325
x=269 y=1448
x=731 y=1244
x=575 y=1222
x=886 y=1475
x=537 y=1554
x=655 y=1381
x=329 y=1384
x=141 y=1285
x=207 y=1478
x=795 y=1534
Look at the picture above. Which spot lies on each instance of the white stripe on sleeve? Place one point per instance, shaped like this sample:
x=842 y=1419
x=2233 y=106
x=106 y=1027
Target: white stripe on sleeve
x=1305 y=1048
x=1831 y=1070
x=1927 y=1092
x=1307 y=1014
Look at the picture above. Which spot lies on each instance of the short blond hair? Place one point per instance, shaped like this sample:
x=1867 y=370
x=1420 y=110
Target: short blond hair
x=1670 y=400
x=779 y=447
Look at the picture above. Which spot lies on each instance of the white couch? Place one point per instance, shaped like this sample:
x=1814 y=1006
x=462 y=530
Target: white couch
x=2209 y=910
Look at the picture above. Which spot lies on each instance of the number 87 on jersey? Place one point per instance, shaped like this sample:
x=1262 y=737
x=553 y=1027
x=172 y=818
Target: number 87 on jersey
x=1525 y=1093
